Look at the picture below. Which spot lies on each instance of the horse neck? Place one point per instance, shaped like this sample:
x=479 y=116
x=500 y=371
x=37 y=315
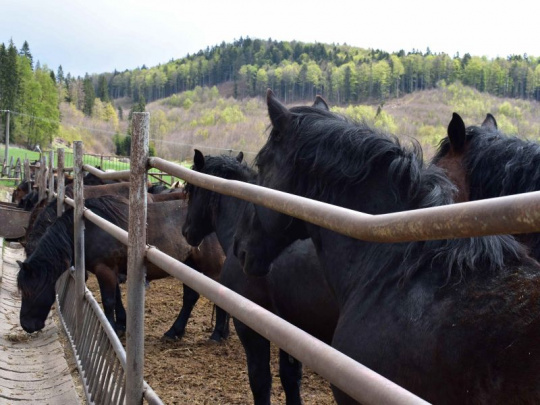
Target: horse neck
x=352 y=266
x=226 y=215
x=349 y=263
x=54 y=251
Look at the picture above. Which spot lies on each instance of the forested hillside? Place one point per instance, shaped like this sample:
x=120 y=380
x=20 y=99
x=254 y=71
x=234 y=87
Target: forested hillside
x=341 y=73
x=214 y=123
x=213 y=99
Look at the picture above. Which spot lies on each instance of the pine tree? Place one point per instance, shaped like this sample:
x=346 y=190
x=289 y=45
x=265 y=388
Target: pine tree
x=103 y=89
x=60 y=75
x=10 y=77
x=25 y=51
x=89 y=95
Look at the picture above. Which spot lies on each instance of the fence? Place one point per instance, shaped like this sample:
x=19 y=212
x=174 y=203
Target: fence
x=521 y=214
x=101 y=358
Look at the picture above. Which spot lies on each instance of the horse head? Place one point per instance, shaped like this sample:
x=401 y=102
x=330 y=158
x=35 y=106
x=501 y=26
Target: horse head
x=262 y=233
x=38 y=295
x=199 y=208
x=453 y=150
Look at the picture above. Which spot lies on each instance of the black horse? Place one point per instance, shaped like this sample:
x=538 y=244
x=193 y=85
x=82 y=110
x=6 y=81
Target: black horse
x=107 y=258
x=295 y=289
x=22 y=189
x=485 y=163
x=453 y=321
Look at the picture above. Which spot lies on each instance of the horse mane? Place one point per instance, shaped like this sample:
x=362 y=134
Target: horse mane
x=42 y=216
x=501 y=165
x=332 y=155
x=47 y=262
x=55 y=247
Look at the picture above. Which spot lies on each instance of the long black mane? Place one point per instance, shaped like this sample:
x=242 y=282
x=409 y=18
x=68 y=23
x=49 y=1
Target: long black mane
x=55 y=248
x=498 y=164
x=327 y=156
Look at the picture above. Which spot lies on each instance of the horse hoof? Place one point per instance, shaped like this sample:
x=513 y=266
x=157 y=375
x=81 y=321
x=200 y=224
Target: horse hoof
x=170 y=338
x=216 y=340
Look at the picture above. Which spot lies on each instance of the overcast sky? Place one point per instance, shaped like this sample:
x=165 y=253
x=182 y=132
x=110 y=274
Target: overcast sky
x=95 y=36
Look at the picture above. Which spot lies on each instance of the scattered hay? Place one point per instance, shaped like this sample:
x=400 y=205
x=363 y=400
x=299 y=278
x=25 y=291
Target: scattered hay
x=18 y=337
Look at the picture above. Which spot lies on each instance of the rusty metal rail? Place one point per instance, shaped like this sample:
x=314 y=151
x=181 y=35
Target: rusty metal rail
x=119 y=175
x=502 y=215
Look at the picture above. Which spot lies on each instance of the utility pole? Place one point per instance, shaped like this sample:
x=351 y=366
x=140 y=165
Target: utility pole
x=7 y=137
x=6 y=150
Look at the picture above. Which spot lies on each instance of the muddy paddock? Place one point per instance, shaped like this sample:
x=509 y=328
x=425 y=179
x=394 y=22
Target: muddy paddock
x=194 y=371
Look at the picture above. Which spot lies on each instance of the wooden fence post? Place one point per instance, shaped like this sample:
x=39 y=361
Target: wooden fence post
x=79 y=234
x=42 y=178
x=27 y=171
x=18 y=171
x=136 y=255
x=10 y=167
x=61 y=183
x=51 y=176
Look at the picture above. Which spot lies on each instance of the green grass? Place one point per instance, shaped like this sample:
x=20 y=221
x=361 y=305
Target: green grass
x=107 y=163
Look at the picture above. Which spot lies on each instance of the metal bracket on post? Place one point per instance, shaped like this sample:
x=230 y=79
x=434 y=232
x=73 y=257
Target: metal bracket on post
x=78 y=230
x=136 y=254
x=61 y=183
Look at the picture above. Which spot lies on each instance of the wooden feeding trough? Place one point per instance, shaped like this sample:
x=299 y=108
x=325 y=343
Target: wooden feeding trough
x=13 y=221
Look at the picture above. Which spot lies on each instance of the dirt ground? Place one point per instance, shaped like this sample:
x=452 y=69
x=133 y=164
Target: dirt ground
x=194 y=371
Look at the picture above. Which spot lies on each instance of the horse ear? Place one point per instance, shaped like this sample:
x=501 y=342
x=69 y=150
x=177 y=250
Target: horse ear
x=320 y=103
x=198 y=160
x=278 y=113
x=456 y=133
x=240 y=157
x=21 y=264
x=490 y=122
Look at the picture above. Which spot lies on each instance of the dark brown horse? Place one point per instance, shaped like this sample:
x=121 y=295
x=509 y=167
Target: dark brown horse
x=107 y=258
x=485 y=163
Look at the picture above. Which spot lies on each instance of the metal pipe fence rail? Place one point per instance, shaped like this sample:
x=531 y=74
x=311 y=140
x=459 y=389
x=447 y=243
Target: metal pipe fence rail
x=503 y=215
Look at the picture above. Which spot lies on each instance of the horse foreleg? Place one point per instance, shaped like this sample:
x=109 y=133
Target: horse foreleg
x=221 y=330
x=179 y=326
x=257 y=350
x=290 y=374
x=108 y=284
x=120 y=312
